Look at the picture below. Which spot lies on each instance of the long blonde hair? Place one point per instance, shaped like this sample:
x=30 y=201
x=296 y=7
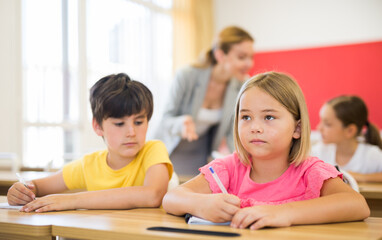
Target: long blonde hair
x=228 y=37
x=286 y=91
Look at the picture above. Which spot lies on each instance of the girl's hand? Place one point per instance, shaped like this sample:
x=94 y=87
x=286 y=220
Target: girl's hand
x=262 y=216
x=19 y=194
x=188 y=130
x=219 y=207
x=48 y=203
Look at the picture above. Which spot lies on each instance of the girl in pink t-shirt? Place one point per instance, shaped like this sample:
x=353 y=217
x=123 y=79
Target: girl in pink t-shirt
x=270 y=179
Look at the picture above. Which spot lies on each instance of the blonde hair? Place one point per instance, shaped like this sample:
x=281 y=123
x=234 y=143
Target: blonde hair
x=286 y=91
x=228 y=37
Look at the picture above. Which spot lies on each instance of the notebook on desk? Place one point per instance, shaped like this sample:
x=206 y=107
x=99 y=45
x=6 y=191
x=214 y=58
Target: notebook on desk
x=190 y=219
x=7 y=206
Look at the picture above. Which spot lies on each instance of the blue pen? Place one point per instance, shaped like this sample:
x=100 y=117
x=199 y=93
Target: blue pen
x=215 y=176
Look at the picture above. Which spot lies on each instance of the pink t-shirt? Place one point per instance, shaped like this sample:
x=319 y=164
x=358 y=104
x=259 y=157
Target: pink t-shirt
x=295 y=184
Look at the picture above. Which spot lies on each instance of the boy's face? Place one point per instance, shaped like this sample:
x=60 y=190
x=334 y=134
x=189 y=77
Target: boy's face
x=124 y=137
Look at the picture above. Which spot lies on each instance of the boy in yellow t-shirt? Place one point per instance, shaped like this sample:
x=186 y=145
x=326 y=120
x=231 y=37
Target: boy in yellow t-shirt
x=130 y=173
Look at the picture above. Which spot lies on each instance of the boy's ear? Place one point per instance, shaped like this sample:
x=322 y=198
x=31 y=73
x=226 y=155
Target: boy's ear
x=97 y=128
x=351 y=130
x=297 y=130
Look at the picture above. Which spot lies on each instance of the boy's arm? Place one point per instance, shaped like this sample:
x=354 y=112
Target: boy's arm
x=148 y=195
x=50 y=185
x=337 y=203
x=195 y=197
x=18 y=194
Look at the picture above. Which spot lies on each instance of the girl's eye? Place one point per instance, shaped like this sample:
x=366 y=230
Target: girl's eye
x=246 y=117
x=242 y=57
x=268 y=117
x=119 y=124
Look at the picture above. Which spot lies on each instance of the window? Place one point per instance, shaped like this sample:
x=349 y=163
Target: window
x=70 y=44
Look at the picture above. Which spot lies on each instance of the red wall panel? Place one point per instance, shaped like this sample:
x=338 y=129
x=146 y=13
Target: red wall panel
x=326 y=72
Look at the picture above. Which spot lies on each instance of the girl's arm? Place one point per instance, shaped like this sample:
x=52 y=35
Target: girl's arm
x=148 y=195
x=195 y=197
x=338 y=203
x=371 y=177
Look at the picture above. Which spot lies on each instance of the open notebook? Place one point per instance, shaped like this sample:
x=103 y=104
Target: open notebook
x=200 y=221
x=7 y=206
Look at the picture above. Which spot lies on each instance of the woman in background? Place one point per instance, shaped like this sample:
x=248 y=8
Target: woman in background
x=342 y=122
x=198 y=113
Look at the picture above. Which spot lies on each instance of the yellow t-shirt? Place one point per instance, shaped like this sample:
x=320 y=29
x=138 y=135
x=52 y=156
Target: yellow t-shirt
x=92 y=172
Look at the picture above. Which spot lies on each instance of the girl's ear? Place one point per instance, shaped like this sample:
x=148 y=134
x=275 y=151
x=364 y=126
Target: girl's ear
x=297 y=130
x=351 y=131
x=97 y=128
x=219 y=55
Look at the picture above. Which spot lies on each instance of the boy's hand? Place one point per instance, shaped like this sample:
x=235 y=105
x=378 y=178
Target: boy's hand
x=19 y=194
x=219 y=207
x=257 y=217
x=55 y=202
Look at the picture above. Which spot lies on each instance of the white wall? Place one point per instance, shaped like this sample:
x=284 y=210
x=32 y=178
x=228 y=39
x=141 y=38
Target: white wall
x=10 y=77
x=291 y=24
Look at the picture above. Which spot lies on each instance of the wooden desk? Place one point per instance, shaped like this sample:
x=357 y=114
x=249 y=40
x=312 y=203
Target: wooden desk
x=8 y=178
x=373 y=194
x=133 y=224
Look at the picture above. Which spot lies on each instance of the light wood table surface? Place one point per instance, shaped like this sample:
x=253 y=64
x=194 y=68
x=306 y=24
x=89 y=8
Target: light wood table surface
x=373 y=194
x=133 y=224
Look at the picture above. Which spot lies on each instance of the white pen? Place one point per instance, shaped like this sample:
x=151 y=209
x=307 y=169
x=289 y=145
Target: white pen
x=217 y=180
x=21 y=179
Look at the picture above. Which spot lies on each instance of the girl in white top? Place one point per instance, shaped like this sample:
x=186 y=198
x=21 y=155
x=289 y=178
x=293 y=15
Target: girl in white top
x=342 y=122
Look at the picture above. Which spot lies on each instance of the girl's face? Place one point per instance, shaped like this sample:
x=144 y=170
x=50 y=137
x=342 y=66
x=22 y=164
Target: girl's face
x=239 y=60
x=266 y=128
x=124 y=137
x=330 y=127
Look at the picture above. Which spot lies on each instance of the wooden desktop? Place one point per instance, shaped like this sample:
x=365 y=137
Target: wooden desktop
x=133 y=224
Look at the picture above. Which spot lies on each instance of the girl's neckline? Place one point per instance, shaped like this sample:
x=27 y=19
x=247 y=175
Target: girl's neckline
x=248 y=175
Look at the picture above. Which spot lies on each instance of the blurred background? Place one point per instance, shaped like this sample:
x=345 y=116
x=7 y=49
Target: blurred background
x=53 y=51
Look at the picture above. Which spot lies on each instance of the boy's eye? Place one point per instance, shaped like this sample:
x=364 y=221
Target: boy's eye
x=138 y=122
x=268 y=117
x=119 y=124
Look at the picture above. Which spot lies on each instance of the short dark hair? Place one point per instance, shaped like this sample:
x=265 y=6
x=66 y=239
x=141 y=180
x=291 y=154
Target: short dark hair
x=117 y=96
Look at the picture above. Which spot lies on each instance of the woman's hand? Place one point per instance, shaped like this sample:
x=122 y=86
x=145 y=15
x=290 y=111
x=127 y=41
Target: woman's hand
x=219 y=207
x=262 y=216
x=188 y=130
x=19 y=194
x=55 y=202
